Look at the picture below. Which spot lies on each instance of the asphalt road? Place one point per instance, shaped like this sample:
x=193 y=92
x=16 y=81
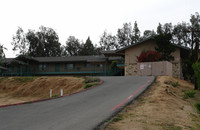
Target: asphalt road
x=81 y=111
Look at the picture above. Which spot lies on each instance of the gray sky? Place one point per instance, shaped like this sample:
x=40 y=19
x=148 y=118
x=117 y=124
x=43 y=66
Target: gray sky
x=83 y=18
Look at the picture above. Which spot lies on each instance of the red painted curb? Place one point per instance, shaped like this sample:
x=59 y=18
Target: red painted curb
x=129 y=97
x=21 y=103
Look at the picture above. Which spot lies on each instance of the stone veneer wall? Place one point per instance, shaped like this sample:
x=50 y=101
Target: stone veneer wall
x=130 y=69
x=176 y=69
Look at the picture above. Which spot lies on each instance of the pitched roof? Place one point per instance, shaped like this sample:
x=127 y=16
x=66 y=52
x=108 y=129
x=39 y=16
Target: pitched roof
x=142 y=41
x=11 y=60
x=98 y=58
x=6 y=60
x=24 y=57
x=108 y=52
x=3 y=68
x=148 y=39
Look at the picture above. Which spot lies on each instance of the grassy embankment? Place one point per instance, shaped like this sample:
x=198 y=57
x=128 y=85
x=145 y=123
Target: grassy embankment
x=21 y=89
x=169 y=104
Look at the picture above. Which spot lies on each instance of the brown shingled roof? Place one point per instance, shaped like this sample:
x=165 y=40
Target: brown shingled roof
x=97 y=58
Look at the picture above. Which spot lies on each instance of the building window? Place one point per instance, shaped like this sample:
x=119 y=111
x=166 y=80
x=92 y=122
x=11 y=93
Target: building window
x=11 y=69
x=100 y=65
x=69 y=66
x=42 y=66
x=87 y=65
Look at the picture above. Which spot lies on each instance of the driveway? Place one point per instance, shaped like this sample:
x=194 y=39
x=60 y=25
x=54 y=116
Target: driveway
x=81 y=111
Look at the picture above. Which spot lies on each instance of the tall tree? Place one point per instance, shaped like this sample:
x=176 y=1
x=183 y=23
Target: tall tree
x=180 y=34
x=73 y=46
x=148 y=33
x=164 y=46
x=168 y=28
x=50 y=40
x=44 y=42
x=97 y=50
x=36 y=48
x=2 y=54
x=159 y=29
x=108 y=42
x=63 y=51
x=19 y=42
x=195 y=22
x=195 y=27
x=88 y=48
x=164 y=29
x=2 y=48
x=135 y=34
x=124 y=35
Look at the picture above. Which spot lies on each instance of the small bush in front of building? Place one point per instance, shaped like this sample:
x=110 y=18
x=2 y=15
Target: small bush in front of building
x=90 y=85
x=149 y=56
x=91 y=80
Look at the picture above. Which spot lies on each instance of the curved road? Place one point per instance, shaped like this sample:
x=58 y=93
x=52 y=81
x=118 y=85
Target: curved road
x=81 y=111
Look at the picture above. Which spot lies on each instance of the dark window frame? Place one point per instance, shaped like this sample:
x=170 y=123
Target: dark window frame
x=68 y=67
x=42 y=66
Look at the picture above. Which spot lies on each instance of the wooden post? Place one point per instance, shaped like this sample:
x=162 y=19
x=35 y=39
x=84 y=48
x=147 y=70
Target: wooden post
x=61 y=92
x=50 y=93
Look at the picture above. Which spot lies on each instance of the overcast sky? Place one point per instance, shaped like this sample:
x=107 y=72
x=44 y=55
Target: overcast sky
x=83 y=18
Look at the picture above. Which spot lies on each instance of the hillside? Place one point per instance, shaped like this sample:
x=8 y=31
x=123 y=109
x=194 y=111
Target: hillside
x=165 y=105
x=20 y=89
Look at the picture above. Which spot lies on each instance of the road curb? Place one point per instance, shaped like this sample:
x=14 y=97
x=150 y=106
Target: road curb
x=102 y=125
x=40 y=100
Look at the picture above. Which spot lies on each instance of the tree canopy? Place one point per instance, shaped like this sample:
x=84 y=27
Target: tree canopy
x=164 y=46
x=73 y=46
x=108 y=42
x=44 y=42
x=20 y=42
x=87 y=48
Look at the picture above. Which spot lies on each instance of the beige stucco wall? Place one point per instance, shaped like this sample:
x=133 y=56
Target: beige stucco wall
x=132 y=53
x=154 y=68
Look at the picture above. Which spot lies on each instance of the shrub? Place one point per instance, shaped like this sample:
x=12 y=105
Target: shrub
x=149 y=56
x=91 y=79
x=196 y=68
x=56 y=95
x=118 y=118
x=2 y=79
x=175 y=84
x=164 y=46
x=89 y=85
x=24 y=79
x=113 y=65
x=197 y=105
x=189 y=93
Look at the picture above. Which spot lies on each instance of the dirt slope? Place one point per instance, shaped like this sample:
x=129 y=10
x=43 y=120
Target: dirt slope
x=19 y=89
x=160 y=107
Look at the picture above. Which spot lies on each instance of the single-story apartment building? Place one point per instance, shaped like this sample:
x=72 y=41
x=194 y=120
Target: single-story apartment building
x=92 y=65
x=69 y=65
